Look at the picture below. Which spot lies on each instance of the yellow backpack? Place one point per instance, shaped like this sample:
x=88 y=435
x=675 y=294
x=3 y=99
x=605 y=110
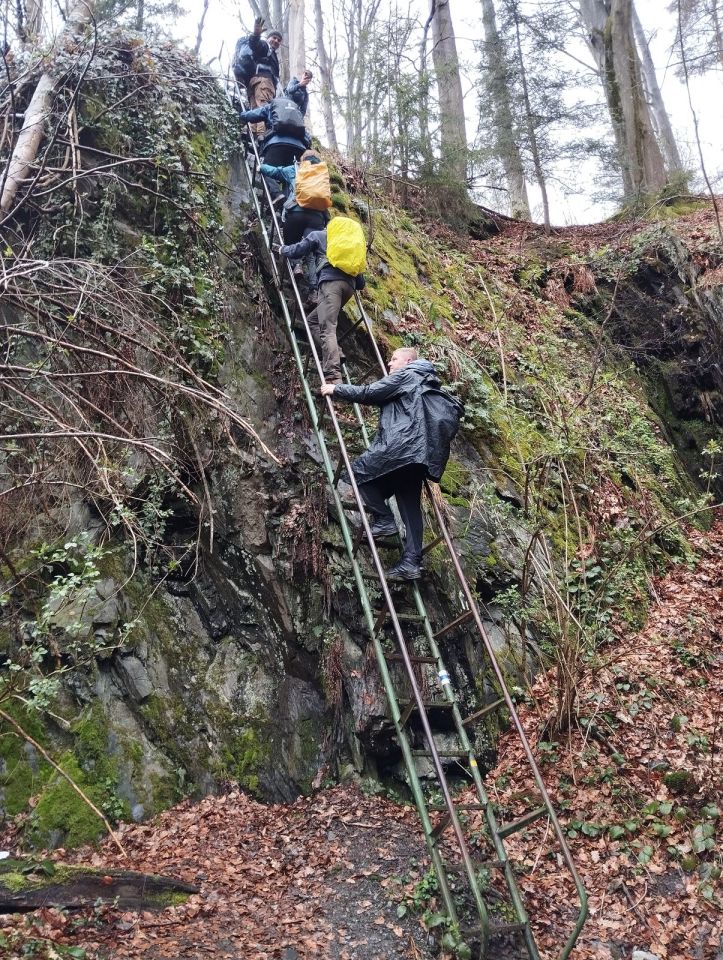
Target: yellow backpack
x=346 y=248
x=312 y=188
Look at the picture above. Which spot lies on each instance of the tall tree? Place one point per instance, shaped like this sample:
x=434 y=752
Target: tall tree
x=610 y=37
x=701 y=26
x=661 y=120
x=449 y=89
x=328 y=93
x=38 y=110
x=497 y=83
x=295 y=38
x=531 y=121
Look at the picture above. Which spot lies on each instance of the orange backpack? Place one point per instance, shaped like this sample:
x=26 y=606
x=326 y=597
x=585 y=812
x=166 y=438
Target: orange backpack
x=312 y=188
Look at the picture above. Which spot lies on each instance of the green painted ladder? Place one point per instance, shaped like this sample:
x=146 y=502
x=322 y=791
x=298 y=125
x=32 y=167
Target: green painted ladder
x=448 y=846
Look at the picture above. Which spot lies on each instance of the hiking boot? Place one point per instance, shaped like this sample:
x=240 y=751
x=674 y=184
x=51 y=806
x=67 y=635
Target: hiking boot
x=403 y=572
x=381 y=529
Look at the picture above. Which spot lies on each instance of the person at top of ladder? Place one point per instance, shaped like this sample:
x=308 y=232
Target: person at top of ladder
x=256 y=65
x=417 y=423
x=340 y=252
x=305 y=210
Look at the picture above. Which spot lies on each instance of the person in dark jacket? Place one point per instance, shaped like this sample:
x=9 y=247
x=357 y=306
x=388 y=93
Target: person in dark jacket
x=298 y=221
x=417 y=423
x=335 y=289
x=256 y=66
x=277 y=149
x=297 y=90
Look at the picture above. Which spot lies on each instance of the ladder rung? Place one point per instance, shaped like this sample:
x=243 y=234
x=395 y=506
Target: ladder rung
x=429 y=705
x=337 y=472
x=444 y=822
x=432 y=545
x=452 y=624
x=436 y=807
x=441 y=753
x=503 y=929
x=398 y=658
x=494 y=929
x=510 y=828
x=474 y=717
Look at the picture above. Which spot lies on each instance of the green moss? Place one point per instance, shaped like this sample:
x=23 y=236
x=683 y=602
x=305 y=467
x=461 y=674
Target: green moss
x=15 y=882
x=340 y=201
x=25 y=770
x=454 y=478
x=243 y=757
x=680 y=781
x=61 y=815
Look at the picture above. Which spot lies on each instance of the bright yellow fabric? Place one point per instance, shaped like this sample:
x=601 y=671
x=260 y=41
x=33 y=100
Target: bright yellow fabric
x=313 y=189
x=346 y=247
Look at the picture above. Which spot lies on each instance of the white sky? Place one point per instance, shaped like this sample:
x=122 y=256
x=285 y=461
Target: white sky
x=223 y=26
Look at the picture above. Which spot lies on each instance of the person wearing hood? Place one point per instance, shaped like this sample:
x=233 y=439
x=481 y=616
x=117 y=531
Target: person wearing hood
x=417 y=423
x=256 y=66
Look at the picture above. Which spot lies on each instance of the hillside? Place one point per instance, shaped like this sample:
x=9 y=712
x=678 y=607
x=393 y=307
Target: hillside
x=344 y=874
x=179 y=619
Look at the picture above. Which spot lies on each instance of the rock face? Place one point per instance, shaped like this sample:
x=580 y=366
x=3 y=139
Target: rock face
x=228 y=647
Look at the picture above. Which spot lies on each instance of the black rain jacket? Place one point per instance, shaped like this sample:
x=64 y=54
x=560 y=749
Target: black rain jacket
x=417 y=421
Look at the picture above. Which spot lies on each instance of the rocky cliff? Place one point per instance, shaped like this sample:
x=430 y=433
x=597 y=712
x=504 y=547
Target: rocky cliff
x=177 y=608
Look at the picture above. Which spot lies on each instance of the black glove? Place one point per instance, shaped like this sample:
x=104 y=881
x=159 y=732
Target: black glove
x=259 y=26
x=277 y=249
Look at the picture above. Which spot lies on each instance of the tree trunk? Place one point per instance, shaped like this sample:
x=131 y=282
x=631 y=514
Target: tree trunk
x=642 y=151
x=297 y=46
x=507 y=148
x=660 y=118
x=328 y=96
x=529 y=120
x=37 y=112
x=611 y=40
x=423 y=92
x=449 y=87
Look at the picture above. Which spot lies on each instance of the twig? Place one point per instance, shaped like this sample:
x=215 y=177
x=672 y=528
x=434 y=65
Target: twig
x=26 y=736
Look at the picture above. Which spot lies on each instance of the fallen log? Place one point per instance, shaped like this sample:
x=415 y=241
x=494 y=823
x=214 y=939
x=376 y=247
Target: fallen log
x=29 y=884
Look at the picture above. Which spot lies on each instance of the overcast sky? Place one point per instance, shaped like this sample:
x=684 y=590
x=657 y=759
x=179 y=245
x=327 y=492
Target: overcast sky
x=223 y=25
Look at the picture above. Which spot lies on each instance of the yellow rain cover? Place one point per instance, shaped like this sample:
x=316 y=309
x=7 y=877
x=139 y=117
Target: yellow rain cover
x=313 y=189
x=346 y=247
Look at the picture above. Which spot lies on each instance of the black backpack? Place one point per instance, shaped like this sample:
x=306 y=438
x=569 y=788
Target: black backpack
x=286 y=118
x=442 y=413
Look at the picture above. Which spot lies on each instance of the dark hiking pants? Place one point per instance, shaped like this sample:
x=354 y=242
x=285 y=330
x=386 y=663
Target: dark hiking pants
x=406 y=485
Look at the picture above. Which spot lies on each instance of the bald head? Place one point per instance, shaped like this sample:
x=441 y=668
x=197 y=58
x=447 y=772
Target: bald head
x=401 y=357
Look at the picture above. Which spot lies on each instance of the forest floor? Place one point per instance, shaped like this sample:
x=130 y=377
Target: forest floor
x=340 y=874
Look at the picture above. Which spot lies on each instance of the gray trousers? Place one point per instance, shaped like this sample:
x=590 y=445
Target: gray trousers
x=333 y=294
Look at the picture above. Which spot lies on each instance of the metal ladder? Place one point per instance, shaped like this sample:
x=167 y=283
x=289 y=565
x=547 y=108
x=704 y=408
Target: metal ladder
x=445 y=838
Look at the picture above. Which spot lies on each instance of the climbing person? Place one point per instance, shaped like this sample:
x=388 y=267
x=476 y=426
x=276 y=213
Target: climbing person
x=286 y=138
x=256 y=66
x=340 y=251
x=306 y=207
x=297 y=90
x=417 y=423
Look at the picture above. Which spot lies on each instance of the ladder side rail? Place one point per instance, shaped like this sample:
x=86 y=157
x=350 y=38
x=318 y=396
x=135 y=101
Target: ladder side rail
x=389 y=689
x=532 y=763
x=462 y=580
x=461 y=731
